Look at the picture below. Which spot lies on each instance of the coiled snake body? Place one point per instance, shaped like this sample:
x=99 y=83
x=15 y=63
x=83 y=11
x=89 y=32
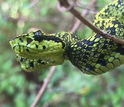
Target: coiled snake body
x=95 y=55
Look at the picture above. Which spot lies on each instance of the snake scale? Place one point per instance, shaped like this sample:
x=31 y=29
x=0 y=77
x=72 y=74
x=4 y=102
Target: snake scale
x=94 y=55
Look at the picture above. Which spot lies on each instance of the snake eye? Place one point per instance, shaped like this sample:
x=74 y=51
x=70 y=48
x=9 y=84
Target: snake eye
x=38 y=36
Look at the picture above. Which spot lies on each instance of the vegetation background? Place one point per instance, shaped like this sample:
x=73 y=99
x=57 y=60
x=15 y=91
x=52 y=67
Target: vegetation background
x=68 y=86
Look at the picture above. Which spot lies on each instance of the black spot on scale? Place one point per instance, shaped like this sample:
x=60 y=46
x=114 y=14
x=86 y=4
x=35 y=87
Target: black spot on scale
x=89 y=48
x=36 y=46
x=97 y=36
x=104 y=47
x=86 y=41
x=41 y=61
x=119 y=2
x=89 y=67
x=21 y=39
x=112 y=30
x=116 y=22
x=81 y=44
x=44 y=47
x=31 y=64
x=123 y=13
x=13 y=47
x=22 y=59
x=106 y=10
x=27 y=50
x=65 y=35
x=25 y=35
x=90 y=43
x=101 y=60
x=120 y=49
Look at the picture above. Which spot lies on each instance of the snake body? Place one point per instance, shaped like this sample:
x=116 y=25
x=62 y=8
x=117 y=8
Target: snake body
x=94 y=55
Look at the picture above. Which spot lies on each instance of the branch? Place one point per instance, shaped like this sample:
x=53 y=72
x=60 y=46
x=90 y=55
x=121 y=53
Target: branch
x=86 y=22
x=84 y=13
x=46 y=81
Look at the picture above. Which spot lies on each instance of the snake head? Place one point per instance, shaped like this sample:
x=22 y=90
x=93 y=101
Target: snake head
x=36 y=49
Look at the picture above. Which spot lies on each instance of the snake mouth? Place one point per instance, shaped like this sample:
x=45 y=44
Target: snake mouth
x=23 y=51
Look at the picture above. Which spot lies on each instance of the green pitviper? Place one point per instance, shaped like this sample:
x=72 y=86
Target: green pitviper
x=95 y=55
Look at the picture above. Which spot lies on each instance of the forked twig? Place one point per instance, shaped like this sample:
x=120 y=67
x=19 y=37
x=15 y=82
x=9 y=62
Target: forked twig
x=86 y=22
x=46 y=81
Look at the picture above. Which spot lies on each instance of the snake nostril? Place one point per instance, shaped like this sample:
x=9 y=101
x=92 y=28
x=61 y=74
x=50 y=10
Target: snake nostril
x=29 y=40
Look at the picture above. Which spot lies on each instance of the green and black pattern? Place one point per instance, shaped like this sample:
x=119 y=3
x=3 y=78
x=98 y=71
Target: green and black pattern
x=95 y=55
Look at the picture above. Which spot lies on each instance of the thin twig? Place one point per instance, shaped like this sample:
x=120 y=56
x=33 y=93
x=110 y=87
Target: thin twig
x=84 y=13
x=86 y=22
x=46 y=81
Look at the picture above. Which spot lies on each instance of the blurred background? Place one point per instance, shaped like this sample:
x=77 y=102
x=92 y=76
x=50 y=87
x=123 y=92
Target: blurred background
x=68 y=86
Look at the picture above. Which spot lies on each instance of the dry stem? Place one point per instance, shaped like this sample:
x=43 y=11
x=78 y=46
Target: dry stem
x=46 y=81
x=84 y=13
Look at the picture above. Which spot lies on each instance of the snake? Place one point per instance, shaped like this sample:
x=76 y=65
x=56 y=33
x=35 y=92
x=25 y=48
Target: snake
x=93 y=55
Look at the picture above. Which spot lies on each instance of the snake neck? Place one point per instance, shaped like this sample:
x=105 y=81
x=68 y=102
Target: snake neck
x=68 y=38
x=96 y=55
